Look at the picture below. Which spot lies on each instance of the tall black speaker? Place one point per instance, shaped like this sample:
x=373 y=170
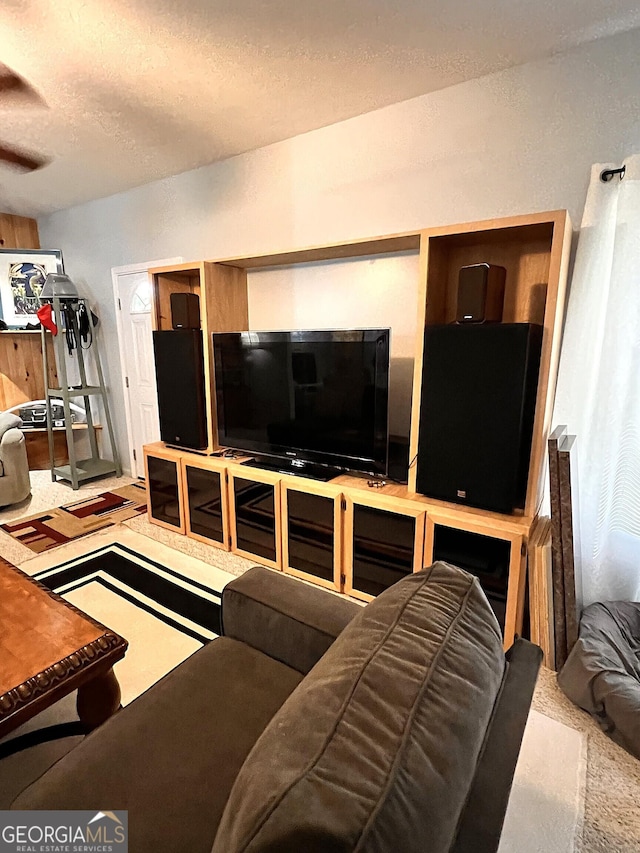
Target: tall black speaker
x=479 y=385
x=180 y=380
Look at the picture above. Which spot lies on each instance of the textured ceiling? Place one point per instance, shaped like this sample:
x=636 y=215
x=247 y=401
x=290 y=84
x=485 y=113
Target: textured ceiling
x=141 y=89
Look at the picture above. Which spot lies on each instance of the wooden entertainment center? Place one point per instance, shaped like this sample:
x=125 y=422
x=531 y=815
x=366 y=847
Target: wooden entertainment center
x=344 y=534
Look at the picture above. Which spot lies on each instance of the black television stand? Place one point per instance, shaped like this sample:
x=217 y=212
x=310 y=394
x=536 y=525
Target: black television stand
x=295 y=467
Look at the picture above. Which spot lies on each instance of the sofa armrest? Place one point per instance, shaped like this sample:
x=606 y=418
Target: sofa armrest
x=288 y=620
x=11 y=442
x=8 y=421
x=483 y=816
x=14 y=468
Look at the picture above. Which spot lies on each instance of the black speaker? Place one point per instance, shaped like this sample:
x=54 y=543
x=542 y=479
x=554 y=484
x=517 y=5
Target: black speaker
x=185 y=310
x=180 y=380
x=479 y=385
x=480 y=293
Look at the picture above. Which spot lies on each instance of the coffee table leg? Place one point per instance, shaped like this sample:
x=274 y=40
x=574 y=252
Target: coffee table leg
x=98 y=699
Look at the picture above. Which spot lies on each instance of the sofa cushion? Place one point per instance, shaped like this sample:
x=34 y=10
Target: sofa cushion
x=172 y=757
x=376 y=749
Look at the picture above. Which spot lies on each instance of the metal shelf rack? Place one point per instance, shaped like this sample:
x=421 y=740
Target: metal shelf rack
x=78 y=470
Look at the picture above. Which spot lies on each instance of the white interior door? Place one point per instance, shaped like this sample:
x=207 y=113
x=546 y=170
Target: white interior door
x=132 y=290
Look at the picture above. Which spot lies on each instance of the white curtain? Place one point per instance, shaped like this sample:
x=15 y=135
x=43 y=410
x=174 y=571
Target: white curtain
x=598 y=394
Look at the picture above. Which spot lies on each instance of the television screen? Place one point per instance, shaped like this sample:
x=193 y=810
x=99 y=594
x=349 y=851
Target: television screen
x=318 y=396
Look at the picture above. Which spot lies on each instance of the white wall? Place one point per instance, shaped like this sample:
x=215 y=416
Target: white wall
x=365 y=293
x=518 y=141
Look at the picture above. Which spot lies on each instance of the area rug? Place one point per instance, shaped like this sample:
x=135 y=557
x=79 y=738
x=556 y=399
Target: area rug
x=65 y=523
x=165 y=604
x=165 y=614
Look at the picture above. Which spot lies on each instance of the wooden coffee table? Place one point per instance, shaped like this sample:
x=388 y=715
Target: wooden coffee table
x=49 y=648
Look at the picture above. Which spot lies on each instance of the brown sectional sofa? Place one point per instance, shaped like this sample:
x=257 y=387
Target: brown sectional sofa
x=315 y=725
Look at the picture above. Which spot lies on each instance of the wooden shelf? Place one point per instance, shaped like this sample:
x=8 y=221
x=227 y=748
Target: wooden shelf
x=222 y=291
x=401 y=495
x=533 y=248
x=391 y=244
x=353 y=492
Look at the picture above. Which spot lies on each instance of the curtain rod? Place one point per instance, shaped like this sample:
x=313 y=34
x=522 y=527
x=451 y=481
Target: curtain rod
x=607 y=174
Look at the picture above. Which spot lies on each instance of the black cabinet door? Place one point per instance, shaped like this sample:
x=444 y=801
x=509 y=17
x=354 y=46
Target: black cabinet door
x=255 y=511
x=383 y=548
x=164 y=490
x=485 y=557
x=311 y=534
x=204 y=497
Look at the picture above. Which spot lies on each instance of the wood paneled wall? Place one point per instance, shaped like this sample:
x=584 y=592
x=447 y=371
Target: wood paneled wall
x=18 y=232
x=21 y=371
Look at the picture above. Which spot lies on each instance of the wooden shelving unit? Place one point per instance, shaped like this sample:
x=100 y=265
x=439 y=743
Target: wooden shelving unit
x=534 y=249
x=222 y=291
x=367 y=539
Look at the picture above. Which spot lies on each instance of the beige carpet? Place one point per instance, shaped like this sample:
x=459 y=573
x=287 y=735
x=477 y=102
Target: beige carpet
x=547 y=798
x=612 y=801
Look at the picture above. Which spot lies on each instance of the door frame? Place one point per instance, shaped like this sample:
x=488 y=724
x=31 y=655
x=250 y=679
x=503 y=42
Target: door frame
x=116 y=272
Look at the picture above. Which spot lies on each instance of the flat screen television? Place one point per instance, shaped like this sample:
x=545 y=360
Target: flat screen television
x=311 y=397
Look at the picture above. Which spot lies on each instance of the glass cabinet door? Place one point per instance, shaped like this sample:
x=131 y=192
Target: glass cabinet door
x=205 y=496
x=383 y=546
x=163 y=484
x=255 y=517
x=483 y=556
x=495 y=557
x=312 y=533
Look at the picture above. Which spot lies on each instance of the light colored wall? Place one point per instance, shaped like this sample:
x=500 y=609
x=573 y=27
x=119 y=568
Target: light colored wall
x=514 y=142
x=363 y=293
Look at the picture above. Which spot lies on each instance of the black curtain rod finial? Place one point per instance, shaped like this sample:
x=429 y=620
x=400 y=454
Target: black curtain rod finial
x=607 y=174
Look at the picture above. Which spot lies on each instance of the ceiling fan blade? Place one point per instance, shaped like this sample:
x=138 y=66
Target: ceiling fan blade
x=21 y=160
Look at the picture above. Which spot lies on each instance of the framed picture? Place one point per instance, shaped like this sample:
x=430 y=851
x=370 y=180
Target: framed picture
x=22 y=275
